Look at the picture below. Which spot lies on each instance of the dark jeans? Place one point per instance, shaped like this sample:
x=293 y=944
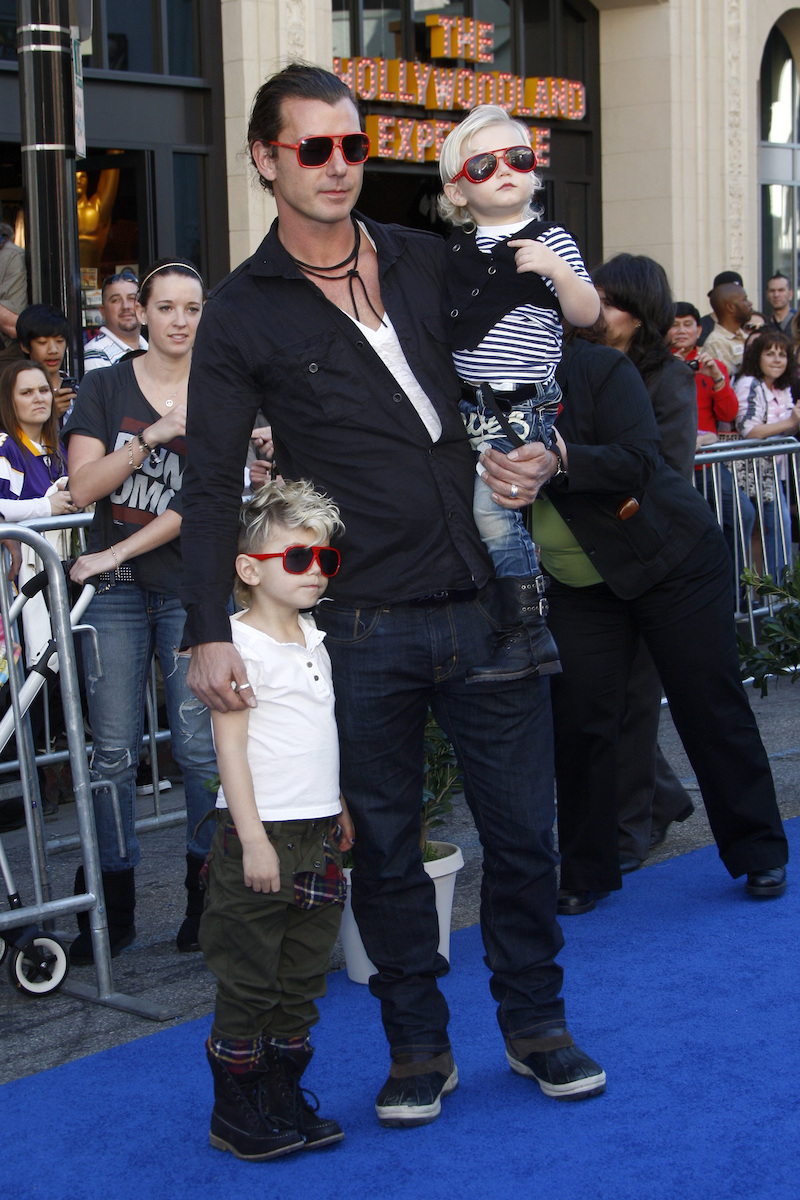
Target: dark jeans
x=389 y=663
x=686 y=623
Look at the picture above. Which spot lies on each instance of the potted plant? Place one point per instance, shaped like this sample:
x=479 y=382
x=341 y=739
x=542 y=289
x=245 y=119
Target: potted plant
x=442 y=860
x=778 y=649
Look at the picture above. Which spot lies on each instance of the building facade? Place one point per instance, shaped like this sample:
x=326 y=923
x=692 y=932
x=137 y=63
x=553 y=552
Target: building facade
x=666 y=127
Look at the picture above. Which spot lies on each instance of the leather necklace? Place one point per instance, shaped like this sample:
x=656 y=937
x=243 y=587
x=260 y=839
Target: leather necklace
x=350 y=275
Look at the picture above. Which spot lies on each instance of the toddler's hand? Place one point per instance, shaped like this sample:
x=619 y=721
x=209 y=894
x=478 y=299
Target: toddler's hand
x=262 y=869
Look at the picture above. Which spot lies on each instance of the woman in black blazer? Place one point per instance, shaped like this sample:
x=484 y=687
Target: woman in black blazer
x=633 y=550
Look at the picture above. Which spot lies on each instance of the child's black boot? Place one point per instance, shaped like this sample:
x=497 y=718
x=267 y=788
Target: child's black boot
x=242 y=1120
x=524 y=645
x=296 y=1104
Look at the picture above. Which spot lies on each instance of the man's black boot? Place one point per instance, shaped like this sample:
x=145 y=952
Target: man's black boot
x=524 y=645
x=241 y=1121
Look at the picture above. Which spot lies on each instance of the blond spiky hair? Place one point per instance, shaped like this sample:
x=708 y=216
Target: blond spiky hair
x=293 y=505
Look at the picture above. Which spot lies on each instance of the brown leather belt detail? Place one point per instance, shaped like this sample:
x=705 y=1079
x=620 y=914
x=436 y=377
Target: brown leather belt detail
x=526 y=1046
x=443 y=1063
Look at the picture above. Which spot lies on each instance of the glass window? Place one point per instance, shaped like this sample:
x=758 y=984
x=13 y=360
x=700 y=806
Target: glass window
x=382 y=30
x=777 y=226
x=496 y=13
x=341 y=29
x=574 y=28
x=425 y=8
x=539 y=50
x=780 y=195
x=130 y=36
x=8 y=30
x=777 y=90
x=182 y=39
x=190 y=205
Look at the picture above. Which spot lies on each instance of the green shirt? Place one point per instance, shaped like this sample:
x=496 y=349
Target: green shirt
x=561 y=555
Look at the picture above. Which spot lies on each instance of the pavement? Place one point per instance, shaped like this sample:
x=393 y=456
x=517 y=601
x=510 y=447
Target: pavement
x=40 y=1033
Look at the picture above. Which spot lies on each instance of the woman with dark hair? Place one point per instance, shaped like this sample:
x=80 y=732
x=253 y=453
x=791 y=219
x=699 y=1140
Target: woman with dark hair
x=633 y=551
x=767 y=409
x=638 y=311
x=127 y=455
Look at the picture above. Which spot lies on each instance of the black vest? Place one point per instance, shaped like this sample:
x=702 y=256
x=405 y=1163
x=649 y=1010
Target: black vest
x=481 y=288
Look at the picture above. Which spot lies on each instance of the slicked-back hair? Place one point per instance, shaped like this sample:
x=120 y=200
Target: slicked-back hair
x=297 y=81
x=163 y=267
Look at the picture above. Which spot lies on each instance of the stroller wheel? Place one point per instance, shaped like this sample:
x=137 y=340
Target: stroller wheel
x=3 y=948
x=39 y=968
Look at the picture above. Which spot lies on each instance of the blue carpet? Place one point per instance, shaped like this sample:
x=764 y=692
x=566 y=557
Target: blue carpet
x=684 y=990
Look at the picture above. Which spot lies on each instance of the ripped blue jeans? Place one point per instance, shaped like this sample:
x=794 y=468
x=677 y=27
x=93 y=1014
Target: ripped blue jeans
x=130 y=622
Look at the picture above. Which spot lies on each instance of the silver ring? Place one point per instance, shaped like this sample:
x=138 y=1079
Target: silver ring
x=514 y=491
x=242 y=687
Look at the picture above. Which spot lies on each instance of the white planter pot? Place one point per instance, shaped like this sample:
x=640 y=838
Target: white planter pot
x=443 y=873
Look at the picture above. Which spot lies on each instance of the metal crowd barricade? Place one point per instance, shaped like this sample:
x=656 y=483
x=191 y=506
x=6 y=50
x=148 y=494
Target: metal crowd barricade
x=60 y=656
x=153 y=737
x=730 y=501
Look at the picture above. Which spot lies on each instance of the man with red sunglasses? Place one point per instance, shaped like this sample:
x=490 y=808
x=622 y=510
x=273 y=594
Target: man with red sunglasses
x=334 y=329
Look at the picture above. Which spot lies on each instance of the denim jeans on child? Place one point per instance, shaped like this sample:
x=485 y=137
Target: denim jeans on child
x=503 y=530
x=130 y=622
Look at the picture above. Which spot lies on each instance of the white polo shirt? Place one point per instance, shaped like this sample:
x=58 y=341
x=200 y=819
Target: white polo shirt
x=292 y=741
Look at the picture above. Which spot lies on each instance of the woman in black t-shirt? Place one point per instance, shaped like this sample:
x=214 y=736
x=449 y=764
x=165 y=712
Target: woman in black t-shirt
x=127 y=455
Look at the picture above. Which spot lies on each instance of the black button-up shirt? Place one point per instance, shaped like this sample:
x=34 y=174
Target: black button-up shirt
x=270 y=339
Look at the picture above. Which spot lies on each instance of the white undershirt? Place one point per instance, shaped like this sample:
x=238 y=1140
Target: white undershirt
x=386 y=344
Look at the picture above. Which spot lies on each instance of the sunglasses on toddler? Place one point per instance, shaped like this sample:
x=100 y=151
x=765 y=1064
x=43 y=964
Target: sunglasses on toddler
x=298 y=559
x=317 y=151
x=481 y=167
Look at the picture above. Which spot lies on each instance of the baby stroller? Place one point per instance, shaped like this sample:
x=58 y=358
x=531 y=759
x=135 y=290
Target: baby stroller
x=38 y=962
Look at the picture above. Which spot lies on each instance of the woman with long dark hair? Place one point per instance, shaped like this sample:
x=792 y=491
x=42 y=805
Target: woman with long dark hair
x=637 y=312
x=127 y=454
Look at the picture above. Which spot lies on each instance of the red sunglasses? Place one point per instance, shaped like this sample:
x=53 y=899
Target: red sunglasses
x=316 y=151
x=298 y=559
x=481 y=167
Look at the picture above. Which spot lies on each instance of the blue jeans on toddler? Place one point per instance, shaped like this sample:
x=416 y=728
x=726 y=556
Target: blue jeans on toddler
x=503 y=530
x=130 y=622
